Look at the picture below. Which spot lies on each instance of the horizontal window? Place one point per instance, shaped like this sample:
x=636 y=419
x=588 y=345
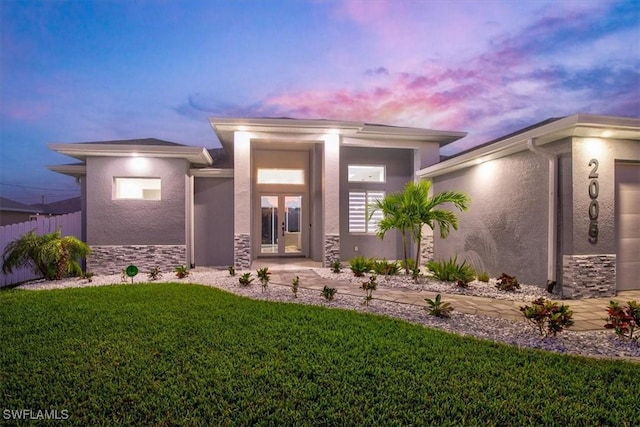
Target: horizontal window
x=361 y=204
x=136 y=188
x=281 y=176
x=366 y=173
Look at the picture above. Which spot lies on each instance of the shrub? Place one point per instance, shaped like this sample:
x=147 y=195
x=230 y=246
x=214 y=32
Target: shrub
x=507 y=283
x=154 y=273
x=386 y=268
x=438 y=307
x=623 y=320
x=549 y=317
x=369 y=286
x=245 y=279
x=181 y=272
x=483 y=276
x=336 y=267
x=328 y=292
x=451 y=271
x=50 y=255
x=360 y=265
x=294 y=286
x=416 y=274
x=88 y=276
x=264 y=277
x=232 y=270
x=409 y=265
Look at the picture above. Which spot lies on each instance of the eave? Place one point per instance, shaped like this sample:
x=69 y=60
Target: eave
x=198 y=156
x=578 y=125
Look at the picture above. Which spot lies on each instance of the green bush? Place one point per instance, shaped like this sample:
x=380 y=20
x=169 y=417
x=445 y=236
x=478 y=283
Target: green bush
x=548 y=317
x=507 y=283
x=385 y=268
x=328 y=293
x=438 y=308
x=245 y=279
x=232 y=270
x=181 y=272
x=336 y=266
x=483 y=276
x=450 y=271
x=264 y=276
x=154 y=273
x=360 y=265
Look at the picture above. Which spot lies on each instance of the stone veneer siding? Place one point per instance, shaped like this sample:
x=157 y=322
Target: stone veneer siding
x=113 y=258
x=331 y=249
x=242 y=251
x=426 y=248
x=588 y=276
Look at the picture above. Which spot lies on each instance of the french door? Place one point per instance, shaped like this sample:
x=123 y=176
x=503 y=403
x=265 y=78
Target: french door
x=281 y=224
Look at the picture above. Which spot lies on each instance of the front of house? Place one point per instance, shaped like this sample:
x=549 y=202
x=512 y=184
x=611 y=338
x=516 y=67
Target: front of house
x=284 y=188
x=301 y=188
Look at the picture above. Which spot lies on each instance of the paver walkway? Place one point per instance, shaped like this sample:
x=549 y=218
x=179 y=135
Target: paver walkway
x=588 y=314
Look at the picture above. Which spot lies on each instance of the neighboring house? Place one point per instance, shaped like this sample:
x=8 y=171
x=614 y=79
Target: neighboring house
x=12 y=212
x=556 y=202
x=61 y=207
x=301 y=188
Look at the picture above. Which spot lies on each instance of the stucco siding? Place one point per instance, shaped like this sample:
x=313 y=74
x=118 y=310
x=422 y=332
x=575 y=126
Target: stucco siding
x=213 y=220
x=399 y=170
x=505 y=229
x=135 y=222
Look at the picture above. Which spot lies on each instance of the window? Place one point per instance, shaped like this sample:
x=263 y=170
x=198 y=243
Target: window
x=281 y=176
x=366 y=173
x=361 y=204
x=136 y=188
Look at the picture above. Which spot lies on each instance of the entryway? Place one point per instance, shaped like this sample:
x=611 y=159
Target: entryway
x=281 y=226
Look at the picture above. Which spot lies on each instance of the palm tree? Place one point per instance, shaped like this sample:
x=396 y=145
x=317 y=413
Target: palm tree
x=412 y=208
x=426 y=212
x=50 y=255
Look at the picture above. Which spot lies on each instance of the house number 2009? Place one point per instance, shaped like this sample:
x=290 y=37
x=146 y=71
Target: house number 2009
x=594 y=208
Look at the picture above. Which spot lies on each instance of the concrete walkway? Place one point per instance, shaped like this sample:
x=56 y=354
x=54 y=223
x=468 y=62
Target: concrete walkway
x=588 y=314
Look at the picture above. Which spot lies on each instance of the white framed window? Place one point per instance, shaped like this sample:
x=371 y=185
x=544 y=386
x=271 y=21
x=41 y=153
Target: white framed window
x=361 y=204
x=367 y=173
x=136 y=188
x=280 y=176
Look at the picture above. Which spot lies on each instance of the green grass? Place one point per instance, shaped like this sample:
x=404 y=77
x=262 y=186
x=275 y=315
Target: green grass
x=175 y=354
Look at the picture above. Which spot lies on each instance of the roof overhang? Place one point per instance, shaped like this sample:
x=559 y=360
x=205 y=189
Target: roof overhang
x=198 y=156
x=76 y=171
x=578 y=125
x=211 y=173
x=354 y=133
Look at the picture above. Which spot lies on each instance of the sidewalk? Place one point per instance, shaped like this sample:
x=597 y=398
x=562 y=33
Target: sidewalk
x=588 y=314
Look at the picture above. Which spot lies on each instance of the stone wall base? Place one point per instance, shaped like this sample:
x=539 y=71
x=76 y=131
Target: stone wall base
x=426 y=248
x=242 y=251
x=113 y=258
x=588 y=276
x=331 y=249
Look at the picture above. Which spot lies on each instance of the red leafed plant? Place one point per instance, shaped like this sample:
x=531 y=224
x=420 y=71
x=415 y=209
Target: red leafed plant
x=623 y=320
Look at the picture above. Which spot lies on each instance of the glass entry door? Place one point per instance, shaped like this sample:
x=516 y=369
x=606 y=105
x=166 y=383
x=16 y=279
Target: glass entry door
x=281 y=224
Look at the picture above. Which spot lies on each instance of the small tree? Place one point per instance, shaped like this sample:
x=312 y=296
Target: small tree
x=50 y=255
x=412 y=208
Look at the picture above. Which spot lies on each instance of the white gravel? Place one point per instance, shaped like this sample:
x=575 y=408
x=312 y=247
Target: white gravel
x=518 y=333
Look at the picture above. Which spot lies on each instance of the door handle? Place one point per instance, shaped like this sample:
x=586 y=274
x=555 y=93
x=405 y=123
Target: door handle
x=283 y=229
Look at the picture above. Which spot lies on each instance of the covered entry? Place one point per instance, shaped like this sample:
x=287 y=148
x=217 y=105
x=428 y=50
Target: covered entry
x=627 y=226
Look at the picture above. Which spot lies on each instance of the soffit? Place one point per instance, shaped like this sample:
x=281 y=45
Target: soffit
x=578 y=125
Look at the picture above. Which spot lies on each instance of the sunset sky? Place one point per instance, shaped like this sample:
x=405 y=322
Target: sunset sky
x=77 y=71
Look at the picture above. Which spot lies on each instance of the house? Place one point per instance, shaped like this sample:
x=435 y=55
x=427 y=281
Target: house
x=302 y=188
x=12 y=212
x=285 y=188
x=557 y=203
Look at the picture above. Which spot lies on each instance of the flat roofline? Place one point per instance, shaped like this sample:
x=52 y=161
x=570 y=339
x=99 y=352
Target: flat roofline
x=577 y=125
x=195 y=155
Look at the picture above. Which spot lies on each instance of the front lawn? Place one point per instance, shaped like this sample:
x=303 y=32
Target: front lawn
x=175 y=354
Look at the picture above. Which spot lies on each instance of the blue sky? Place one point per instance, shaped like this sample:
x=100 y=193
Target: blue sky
x=75 y=71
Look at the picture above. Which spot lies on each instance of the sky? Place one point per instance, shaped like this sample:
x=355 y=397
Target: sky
x=78 y=71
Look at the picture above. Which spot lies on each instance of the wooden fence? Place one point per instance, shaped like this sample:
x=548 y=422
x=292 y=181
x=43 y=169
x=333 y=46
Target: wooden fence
x=69 y=224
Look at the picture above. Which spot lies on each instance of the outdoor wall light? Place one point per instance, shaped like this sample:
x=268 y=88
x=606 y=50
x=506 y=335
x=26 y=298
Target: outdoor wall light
x=139 y=165
x=593 y=147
